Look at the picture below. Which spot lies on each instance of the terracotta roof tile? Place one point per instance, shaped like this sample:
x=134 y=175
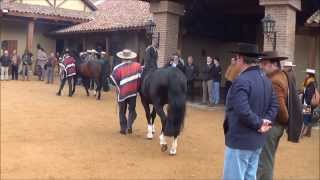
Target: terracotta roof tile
x=45 y=11
x=115 y=15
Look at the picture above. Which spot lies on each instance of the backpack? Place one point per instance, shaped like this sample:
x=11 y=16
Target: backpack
x=26 y=59
x=315 y=101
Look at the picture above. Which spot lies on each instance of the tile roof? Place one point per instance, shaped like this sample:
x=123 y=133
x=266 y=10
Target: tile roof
x=34 y=10
x=114 y=15
x=314 y=20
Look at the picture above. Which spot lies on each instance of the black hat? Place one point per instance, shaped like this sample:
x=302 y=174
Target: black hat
x=272 y=56
x=246 y=49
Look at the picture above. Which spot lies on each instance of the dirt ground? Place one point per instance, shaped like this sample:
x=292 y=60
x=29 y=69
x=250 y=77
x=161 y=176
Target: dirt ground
x=48 y=137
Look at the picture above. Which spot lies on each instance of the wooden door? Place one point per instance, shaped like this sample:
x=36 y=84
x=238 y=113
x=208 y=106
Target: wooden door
x=9 y=45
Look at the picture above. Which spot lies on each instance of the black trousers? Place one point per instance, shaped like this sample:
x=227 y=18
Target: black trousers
x=14 y=72
x=130 y=104
x=190 y=89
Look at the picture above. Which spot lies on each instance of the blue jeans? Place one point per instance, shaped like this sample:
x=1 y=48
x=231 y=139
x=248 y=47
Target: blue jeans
x=241 y=164
x=215 y=92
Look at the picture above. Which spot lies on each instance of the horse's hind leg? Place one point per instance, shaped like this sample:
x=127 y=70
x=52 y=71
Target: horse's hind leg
x=148 y=116
x=162 y=115
x=63 y=81
x=173 y=149
x=86 y=85
x=153 y=117
x=98 y=89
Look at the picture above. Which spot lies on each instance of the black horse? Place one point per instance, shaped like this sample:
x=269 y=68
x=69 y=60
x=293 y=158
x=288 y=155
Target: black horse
x=160 y=87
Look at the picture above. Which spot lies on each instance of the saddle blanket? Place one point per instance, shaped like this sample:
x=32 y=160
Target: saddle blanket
x=68 y=66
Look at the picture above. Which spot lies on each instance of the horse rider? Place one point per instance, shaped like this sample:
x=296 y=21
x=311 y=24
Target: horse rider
x=127 y=78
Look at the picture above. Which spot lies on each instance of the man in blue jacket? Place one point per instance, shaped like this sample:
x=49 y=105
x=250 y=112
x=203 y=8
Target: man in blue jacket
x=250 y=110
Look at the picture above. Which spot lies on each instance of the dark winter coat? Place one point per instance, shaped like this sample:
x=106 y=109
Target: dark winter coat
x=5 y=61
x=191 y=72
x=250 y=99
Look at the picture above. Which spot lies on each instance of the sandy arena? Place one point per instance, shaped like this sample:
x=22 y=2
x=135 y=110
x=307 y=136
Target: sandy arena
x=44 y=136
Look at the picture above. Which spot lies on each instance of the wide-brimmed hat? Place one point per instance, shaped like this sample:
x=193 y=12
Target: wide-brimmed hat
x=102 y=52
x=247 y=49
x=272 y=56
x=288 y=64
x=310 y=71
x=127 y=54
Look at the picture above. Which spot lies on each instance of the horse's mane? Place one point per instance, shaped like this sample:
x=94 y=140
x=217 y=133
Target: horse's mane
x=150 y=61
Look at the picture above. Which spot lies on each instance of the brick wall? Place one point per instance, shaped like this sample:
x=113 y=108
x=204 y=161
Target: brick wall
x=166 y=15
x=285 y=17
x=284 y=13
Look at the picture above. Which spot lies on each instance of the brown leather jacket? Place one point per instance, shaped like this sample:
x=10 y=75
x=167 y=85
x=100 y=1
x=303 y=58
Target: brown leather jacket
x=280 y=85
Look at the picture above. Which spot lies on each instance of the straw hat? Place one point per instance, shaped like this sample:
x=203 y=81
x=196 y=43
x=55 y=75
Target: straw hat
x=127 y=54
x=288 y=64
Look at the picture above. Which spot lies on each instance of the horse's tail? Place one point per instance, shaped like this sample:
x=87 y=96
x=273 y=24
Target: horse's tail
x=176 y=105
x=104 y=76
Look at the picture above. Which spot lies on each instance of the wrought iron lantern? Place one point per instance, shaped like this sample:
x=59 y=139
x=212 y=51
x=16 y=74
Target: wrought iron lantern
x=151 y=31
x=268 y=26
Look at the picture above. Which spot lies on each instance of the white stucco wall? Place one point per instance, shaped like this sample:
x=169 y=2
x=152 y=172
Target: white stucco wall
x=303 y=47
x=17 y=30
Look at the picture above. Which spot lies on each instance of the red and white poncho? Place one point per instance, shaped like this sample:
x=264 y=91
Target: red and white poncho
x=127 y=77
x=68 y=65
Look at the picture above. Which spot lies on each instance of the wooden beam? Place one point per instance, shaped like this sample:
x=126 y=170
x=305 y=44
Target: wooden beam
x=50 y=3
x=62 y=3
x=30 y=34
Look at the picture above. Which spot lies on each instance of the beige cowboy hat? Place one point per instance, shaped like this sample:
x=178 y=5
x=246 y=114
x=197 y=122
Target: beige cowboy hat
x=310 y=71
x=94 y=51
x=102 y=52
x=288 y=64
x=89 y=51
x=272 y=56
x=127 y=54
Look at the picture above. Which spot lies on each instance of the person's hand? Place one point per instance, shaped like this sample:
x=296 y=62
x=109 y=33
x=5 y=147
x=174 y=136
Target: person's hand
x=266 y=126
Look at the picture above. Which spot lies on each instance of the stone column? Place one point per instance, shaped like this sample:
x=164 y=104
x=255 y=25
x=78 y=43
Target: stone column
x=166 y=15
x=30 y=34
x=284 y=13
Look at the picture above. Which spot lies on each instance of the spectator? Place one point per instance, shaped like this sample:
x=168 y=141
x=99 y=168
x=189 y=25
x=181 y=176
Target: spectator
x=309 y=89
x=42 y=59
x=52 y=61
x=191 y=72
x=248 y=116
x=5 y=63
x=15 y=59
x=216 y=74
x=232 y=72
x=174 y=61
x=289 y=116
x=26 y=62
x=288 y=68
x=207 y=82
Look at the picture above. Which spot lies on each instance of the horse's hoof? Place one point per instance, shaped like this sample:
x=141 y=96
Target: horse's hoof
x=164 y=147
x=129 y=131
x=58 y=94
x=172 y=152
x=149 y=136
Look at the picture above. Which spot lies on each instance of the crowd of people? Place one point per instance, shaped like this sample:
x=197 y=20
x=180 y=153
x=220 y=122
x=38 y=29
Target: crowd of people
x=43 y=65
x=262 y=99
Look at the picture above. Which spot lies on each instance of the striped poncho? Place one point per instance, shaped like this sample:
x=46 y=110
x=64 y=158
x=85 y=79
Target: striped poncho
x=127 y=77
